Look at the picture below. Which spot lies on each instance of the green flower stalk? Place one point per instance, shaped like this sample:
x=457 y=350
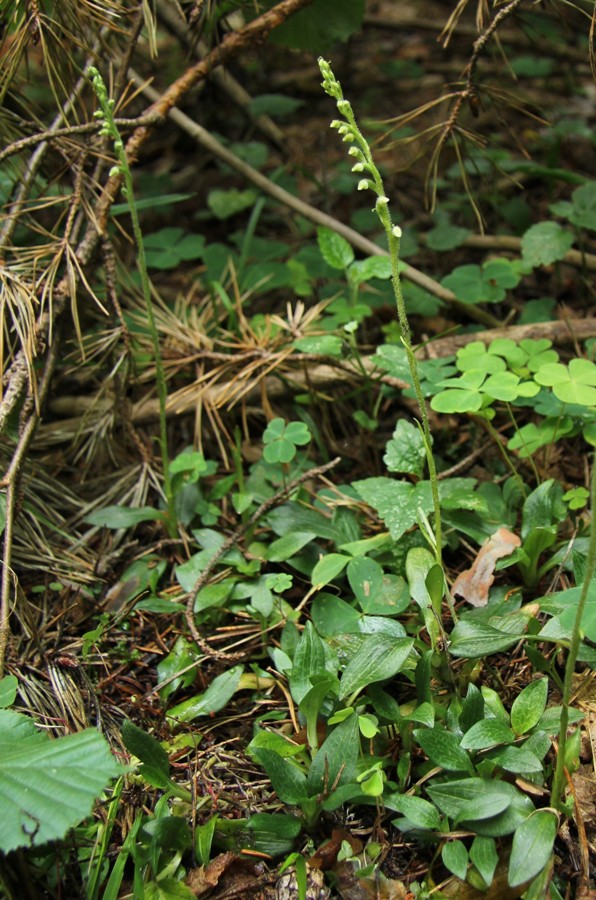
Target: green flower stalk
x=364 y=165
x=110 y=129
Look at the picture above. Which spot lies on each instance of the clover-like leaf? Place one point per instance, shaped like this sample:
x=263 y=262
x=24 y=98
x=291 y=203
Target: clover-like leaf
x=461 y=394
x=489 y=284
x=575 y=383
x=281 y=439
x=475 y=355
x=531 y=437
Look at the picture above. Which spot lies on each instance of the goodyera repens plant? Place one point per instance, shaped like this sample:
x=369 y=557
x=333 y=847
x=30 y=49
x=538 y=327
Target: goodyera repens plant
x=364 y=165
x=109 y=128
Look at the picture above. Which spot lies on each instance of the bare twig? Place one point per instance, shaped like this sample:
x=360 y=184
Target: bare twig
x=11 y=481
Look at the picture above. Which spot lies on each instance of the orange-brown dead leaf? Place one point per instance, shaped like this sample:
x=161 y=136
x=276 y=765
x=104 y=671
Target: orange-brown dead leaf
x=473 y=585
x=225 y=870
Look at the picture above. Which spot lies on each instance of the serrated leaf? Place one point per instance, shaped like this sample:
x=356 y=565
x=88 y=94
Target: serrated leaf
x=405 y=451
x=528 y=707
x=334 y=248
x=35 y=771
x=583 y=206
x=379 y=657
x=532 y=846
x=372 y=267
x=545 y=243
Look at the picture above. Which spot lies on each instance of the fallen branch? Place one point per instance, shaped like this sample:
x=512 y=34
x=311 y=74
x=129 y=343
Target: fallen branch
x=84 y=410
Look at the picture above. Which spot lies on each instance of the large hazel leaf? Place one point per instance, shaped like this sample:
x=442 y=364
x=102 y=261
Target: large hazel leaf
x=47 y=786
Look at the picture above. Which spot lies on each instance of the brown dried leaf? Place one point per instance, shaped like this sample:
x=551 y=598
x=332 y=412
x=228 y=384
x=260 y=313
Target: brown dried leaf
x=351 y=886
x=473 y=585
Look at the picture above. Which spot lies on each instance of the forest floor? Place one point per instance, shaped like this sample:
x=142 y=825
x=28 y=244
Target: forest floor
x=114 y=640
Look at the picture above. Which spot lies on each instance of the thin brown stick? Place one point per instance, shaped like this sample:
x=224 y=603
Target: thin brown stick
x=231 y=541
x=11 y=481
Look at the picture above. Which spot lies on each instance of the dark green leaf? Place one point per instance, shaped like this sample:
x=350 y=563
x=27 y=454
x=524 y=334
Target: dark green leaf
x=471 y=640
x=145 y=747
x=309 y=659
x=379 y=657
x=218 y=694
x=289 y=783
x=529 y=706
x=532 y=846
x=443 y=749
x=455 y=858
x=336 y=759
x=419 y=812
x=487 y=733
x=36 y=770
x=123 y=516
x=483 y=853
x=320 y=25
